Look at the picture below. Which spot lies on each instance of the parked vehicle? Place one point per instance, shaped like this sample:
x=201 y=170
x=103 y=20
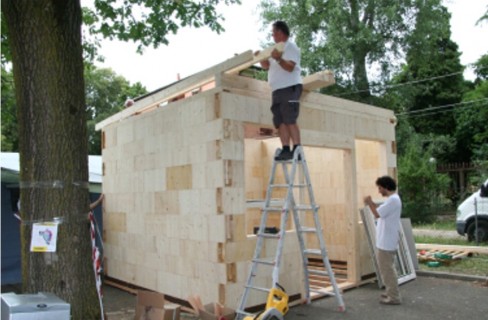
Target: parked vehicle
x=466 y=215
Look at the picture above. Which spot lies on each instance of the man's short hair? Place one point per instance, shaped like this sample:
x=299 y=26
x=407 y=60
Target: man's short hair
x=386 y=182
x=282 y=26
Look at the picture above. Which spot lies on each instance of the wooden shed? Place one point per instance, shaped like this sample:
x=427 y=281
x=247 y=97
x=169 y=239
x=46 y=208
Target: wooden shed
x=185 y=169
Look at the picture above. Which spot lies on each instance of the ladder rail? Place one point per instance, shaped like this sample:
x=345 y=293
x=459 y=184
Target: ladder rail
x=259 y=241
x=296 y=219
x=319 y=233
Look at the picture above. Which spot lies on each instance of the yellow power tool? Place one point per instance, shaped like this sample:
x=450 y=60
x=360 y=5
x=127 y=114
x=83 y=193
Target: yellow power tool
x=276 y=305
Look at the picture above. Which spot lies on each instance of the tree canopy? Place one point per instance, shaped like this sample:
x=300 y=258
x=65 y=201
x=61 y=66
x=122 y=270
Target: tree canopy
x=347 y=36
x=431 y=54
x=106 y=93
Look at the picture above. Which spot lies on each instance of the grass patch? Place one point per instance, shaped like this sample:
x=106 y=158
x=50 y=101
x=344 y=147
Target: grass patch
x=438 y=225
x=449 y=241
x=476 y=265
x=438 y=240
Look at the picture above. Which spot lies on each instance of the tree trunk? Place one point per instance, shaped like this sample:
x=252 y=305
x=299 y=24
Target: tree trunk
x=45 y=40
x=360 y=74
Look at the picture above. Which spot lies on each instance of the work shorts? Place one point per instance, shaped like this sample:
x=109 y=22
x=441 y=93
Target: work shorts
x=285 y=105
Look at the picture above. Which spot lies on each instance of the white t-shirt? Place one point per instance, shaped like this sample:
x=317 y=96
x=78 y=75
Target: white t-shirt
x=278 y=77
x=388 y=224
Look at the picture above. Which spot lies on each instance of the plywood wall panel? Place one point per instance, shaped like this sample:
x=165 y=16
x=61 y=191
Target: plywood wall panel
x=167 y=202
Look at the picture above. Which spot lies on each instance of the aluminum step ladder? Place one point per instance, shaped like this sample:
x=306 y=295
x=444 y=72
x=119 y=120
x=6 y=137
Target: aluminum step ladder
x=271 y=206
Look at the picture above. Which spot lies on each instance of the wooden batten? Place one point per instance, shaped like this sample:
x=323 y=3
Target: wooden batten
x=177 y=89
x=262 y=55
x=318 y=80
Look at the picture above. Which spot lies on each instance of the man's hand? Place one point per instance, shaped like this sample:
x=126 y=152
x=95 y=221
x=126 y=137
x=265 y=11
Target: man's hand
x=368 y=200
x=264 y=63
x=275 y=54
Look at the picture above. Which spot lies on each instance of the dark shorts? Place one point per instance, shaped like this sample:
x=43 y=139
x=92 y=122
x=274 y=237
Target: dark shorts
x=285 y=105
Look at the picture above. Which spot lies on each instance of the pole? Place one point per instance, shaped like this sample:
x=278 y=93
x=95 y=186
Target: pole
x=476 y=221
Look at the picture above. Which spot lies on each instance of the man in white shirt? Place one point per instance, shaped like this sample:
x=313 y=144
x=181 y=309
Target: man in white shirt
x=387 y=236
x=286 y=85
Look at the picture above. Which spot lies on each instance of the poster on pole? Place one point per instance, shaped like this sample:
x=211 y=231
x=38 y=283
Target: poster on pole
x=44 y=237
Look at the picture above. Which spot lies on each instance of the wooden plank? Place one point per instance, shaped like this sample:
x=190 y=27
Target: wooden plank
x=318 y=80
x=263 y=55
x=178 y=88
x=326 y=139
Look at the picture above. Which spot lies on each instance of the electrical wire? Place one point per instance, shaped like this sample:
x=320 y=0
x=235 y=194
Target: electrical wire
x=441 y=107
x=428 y=114
x=392 y=86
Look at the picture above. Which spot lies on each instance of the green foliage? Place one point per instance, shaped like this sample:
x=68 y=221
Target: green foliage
x=5 y=49
x=481 y=68
x=448 y=225
x=483 y=18
x=10 y=137
x=431 y=54
x=145 y=22
x=346 y=36
x=471 y=124
x=150 y=22
x=419 y=182
x=106 y=93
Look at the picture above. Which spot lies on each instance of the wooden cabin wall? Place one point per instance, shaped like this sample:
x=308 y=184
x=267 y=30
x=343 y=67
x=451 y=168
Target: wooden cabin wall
x=177 y=180
x=165 y=186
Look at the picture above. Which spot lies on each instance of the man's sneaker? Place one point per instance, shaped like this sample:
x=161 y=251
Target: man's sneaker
x=389 y=301
x=284 y=155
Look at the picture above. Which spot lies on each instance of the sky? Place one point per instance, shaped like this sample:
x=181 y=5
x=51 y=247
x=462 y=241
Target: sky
x=193 y=50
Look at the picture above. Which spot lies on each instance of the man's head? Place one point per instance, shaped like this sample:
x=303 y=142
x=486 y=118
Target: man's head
x=281 y=32
x=386 y=185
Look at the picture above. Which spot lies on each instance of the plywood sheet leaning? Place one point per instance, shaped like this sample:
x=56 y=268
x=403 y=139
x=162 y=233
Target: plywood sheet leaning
x=403 y=259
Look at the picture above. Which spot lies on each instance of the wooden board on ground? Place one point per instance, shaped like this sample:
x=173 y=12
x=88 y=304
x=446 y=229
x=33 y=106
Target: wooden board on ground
x=472 y=249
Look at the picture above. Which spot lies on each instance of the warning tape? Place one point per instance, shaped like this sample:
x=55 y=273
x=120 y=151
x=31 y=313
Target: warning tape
x=97 y=265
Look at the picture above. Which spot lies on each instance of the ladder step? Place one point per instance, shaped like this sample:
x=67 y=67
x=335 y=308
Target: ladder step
x=318 y=272
x=263 y=261
x=258 y=288
x=297 y=185
x=269 y=235
x=306 y=207
x=326 y=293
x=308 y=229
x=317 y=252
x=272 y=209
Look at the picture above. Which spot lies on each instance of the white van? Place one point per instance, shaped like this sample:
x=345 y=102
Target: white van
x=465 y=215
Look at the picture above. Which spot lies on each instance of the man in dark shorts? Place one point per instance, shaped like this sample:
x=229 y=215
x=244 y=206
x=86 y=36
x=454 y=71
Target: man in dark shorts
x=286 y=84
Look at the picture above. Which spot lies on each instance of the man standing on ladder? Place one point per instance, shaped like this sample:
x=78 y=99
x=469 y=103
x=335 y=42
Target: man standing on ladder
x=387 y=236
x=286 y=84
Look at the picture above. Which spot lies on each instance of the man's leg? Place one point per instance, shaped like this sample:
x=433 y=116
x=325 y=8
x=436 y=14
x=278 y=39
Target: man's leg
x=284 y=133
x=389 y=274
x=294 y=131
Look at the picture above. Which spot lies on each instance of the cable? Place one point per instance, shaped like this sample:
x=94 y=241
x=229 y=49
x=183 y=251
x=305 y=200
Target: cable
x=385 y=87
x=440 y=107
x=434 y=112
x=390 y=86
